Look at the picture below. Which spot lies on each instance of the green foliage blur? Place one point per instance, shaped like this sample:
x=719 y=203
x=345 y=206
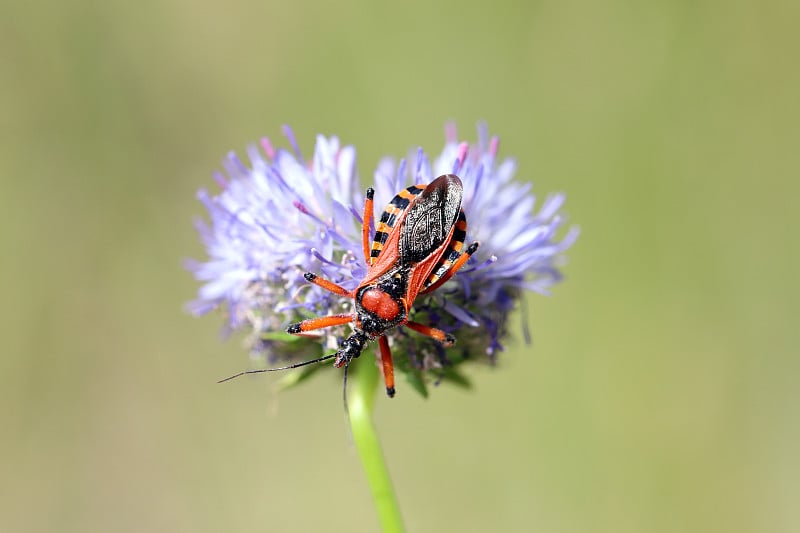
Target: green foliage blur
x=660 y=393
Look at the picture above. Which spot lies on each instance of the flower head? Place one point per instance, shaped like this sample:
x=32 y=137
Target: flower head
x=280 y=217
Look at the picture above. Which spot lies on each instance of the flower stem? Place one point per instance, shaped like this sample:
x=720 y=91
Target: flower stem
x=361 y=401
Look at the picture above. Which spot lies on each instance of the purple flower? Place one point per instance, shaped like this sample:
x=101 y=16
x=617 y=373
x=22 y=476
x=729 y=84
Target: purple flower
x=280 y=217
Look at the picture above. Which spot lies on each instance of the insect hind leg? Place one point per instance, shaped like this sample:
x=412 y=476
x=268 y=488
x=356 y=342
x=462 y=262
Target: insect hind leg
x=369 y=214
x=453 y=268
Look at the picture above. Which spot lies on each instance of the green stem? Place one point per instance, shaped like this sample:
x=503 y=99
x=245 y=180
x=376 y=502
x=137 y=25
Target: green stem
x=361 y=400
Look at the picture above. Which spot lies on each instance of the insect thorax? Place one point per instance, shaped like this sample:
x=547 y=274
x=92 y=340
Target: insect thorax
x=379 y=305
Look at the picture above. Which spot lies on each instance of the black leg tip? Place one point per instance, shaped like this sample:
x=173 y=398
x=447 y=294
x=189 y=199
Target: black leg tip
x=370 y=193
x=310 y=276
x=449 y=340
x=293 y=328
x=390 y=392
x=473 y=247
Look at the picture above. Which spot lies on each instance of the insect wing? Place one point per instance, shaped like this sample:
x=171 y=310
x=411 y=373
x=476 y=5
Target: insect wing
x=430 y=219
x=420 y=225
x=429 y=228
x=391 y=216
x=385 y=246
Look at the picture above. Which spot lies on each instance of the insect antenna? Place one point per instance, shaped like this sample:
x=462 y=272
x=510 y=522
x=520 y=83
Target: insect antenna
x=296 y=365
x=526 y=330
x=344 y=390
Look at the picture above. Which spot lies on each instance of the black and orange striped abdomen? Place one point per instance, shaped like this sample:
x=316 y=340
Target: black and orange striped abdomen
x=391 y=214
x=453 y=251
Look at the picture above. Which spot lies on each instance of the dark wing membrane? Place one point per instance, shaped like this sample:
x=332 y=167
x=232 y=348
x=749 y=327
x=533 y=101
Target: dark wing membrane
x=390 y=216
x=452 y=253
x=430 y=218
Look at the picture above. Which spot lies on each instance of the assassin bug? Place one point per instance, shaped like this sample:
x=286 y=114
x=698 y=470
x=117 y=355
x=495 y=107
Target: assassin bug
x=416 y=248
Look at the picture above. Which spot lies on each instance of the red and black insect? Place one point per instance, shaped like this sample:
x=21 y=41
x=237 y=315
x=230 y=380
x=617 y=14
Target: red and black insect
x=417 y=247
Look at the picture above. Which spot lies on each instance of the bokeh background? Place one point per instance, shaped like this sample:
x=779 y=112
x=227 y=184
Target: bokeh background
x=660 y=393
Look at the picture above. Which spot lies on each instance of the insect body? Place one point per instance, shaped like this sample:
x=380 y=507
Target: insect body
x=417 y=247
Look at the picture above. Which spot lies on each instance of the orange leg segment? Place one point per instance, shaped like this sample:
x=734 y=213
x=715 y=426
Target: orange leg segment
x=387 y=365
x=445 y=338
x=327 y=285
x=369 y=213
x=455 y=267
x=318 y=323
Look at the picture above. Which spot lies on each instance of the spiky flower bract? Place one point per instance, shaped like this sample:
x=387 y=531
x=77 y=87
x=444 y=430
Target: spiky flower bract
x=281 y=216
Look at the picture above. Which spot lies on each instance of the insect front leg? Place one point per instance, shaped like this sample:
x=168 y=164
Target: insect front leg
x=299 y=328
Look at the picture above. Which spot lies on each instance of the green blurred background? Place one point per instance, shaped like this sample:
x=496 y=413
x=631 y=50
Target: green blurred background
x=661 y=392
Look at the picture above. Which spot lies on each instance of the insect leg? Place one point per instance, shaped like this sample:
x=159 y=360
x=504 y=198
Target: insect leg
x=369 y=214
x=455 y=267
x=387 y=365
x=327 y=285
x=299 y=328
x=446 y=339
